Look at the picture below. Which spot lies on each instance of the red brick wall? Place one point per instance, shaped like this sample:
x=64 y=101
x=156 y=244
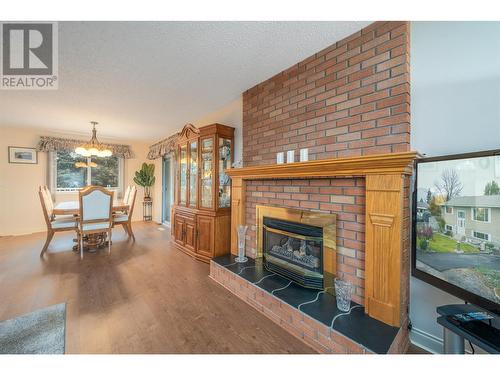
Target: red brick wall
x=350 y=99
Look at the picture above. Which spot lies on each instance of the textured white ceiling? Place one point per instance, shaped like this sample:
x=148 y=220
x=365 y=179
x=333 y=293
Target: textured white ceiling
x=144 y=80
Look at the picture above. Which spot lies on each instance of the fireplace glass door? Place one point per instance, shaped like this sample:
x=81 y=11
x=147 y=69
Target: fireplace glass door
x=294 y=250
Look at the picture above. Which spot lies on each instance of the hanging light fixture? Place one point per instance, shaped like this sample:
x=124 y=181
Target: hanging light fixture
x=93 y=147
x=81 y=164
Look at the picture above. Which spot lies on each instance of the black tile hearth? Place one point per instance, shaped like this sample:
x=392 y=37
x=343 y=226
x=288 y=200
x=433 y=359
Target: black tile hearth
x=296 y=294
x=371 y=333
x=273 y=283
x=324 y=309
x=355 y=324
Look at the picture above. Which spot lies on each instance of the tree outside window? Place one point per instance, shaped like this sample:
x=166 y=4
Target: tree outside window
x=69 y=177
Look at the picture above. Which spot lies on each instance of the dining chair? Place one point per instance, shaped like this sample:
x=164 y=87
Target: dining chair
x=54 y=224
x=125 y=219
x=126 y=194
x=96 y=205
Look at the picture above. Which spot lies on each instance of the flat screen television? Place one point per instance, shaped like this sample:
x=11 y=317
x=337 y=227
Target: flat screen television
x=456 y=226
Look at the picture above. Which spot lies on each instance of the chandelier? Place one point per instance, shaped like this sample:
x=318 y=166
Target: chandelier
x=81 y=164
x=93 y=147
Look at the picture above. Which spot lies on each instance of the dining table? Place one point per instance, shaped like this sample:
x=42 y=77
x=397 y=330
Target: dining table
x=93 y=241
x=73 y=207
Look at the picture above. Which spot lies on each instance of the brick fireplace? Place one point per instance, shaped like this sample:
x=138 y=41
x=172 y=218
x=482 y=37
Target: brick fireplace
x=349 y=101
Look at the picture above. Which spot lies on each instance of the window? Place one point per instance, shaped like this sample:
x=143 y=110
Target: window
x=449 y=227
x=67 y=176
x=481 y=214
x=449 y=209
x=481 y=236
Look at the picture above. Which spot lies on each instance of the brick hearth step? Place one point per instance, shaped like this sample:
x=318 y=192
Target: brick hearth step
x=309 y=314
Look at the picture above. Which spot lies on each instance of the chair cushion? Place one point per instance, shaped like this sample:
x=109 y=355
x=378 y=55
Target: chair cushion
x=94 y=226
x=120 y=218
x=66 y=221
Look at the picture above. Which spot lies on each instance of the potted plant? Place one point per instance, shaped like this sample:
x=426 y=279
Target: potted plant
x=145 y=177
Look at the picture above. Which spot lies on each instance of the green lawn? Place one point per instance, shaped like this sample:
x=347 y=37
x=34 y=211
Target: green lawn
x=443 y=244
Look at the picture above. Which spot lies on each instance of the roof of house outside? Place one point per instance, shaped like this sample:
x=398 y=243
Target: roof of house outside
x=422 y=204
x=474 y=201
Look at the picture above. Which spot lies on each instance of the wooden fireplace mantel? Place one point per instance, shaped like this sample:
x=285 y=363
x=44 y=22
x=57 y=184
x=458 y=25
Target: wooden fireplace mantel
x=384 y=230
x=400 y=163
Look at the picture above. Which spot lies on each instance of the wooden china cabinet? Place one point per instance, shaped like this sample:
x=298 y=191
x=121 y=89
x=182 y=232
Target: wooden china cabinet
x=202 y=211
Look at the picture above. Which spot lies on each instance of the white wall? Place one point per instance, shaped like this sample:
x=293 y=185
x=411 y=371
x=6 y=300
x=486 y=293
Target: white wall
x=230 y=114
x=20 y=209
x=455 y=108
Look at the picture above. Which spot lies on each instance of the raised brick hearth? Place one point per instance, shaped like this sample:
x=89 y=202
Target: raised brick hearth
x=309 y=315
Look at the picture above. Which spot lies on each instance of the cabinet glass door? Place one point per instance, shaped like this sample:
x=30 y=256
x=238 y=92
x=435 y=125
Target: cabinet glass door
x=193 y=173
x=225 y=157
x=207 y=156
x=183 y=176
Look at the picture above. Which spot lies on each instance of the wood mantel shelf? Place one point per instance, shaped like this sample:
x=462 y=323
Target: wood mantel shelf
x=399 y=163
x=385 y=231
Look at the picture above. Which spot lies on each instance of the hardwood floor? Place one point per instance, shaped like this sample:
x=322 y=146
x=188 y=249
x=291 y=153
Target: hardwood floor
x=146 y=297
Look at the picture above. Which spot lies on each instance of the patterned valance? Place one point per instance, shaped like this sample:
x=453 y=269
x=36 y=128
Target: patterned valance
x=47 y=144
x=163 y=147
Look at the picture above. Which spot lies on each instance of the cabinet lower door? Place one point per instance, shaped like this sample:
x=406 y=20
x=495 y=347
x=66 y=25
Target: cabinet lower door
x=190 y=238
x=206 y=232
x=179 y=230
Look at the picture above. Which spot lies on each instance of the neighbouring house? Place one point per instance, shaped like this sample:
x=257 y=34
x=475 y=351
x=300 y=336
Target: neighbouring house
x=422 y=208
x=477 y=218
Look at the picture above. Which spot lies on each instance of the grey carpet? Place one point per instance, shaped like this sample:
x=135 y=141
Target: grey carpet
x=39 y=332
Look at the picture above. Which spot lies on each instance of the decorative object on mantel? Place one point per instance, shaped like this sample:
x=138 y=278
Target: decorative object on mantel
x=93 y=147
x=145 y=177
x=237 y=164
x=304 y=154
x=22 y=155
x=242 y=232
x=280 y=157
x=290 y=156
x=163 y=147
x=48 y=144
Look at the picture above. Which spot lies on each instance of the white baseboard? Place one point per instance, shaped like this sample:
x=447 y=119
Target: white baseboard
x=426 y=341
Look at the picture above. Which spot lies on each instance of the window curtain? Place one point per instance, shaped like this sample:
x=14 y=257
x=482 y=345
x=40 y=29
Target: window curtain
x=164 y=147
x=47 y=144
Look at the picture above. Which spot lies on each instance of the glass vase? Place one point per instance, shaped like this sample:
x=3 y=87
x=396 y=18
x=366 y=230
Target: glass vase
x=242 y=232
x=343 y=293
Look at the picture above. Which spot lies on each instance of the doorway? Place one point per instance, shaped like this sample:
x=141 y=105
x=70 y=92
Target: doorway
x=461 y=222
x=167 y=195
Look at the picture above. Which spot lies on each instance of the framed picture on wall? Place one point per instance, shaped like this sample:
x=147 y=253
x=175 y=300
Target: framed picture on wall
x=22 y=155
